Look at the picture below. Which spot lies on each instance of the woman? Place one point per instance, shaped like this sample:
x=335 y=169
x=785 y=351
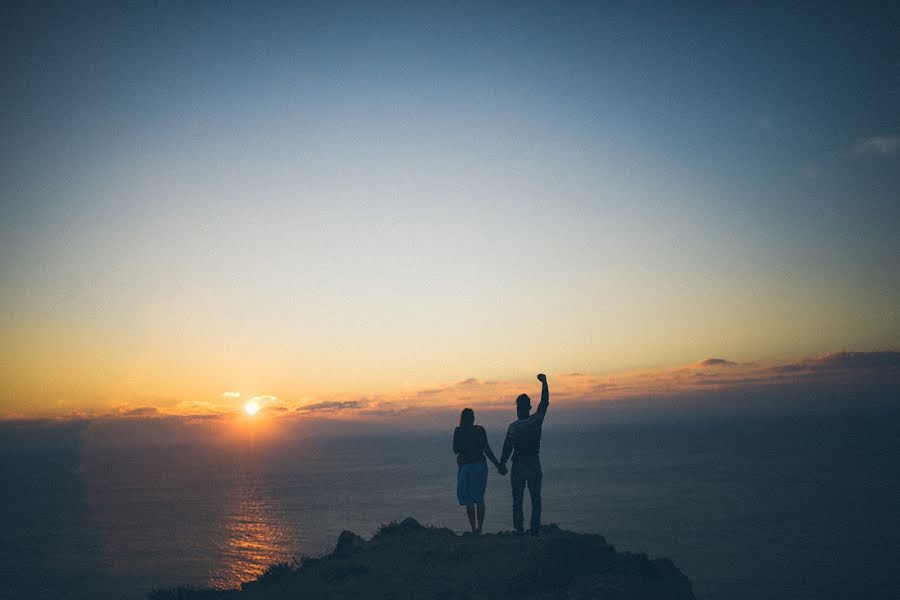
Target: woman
x=470 y=445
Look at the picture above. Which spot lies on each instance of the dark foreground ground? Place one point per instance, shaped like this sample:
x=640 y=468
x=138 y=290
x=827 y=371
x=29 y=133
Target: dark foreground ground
x=407 y=560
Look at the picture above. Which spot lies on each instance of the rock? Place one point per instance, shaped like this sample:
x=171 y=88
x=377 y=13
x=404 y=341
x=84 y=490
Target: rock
x=408 y=560
x=348 y=543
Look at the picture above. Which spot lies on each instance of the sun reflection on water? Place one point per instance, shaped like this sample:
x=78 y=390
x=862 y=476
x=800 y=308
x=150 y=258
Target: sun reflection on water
x=253 y=540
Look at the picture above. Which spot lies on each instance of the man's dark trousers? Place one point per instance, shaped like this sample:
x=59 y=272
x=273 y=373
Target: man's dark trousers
x=526 y=473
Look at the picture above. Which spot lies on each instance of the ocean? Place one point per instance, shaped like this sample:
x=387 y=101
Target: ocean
x=793 y=506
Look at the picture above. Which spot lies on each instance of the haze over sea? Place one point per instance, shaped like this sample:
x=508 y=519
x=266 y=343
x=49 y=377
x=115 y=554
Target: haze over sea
x=789 y=506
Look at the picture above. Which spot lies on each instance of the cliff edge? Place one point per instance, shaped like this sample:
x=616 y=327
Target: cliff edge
x=407 y=560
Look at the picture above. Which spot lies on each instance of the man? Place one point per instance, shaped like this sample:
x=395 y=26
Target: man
x=523 y=440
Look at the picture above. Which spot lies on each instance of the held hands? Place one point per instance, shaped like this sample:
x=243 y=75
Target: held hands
x=542 y=378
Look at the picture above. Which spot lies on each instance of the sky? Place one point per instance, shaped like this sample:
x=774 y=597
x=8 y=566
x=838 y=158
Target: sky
x=335 y=206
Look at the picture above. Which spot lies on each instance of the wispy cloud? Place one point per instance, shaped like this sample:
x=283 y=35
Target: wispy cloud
x=264 y=399
x=716 y=362
x=709 y=373
x=197 y=408
x=704 y=375
x=143 y=411
x=717 y=379
x=579 y=390
x=876 y=145
x=845 y=361
x=331 y=406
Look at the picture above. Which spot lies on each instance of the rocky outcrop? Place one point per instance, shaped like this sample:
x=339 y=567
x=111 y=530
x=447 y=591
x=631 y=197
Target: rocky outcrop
x=408 y=560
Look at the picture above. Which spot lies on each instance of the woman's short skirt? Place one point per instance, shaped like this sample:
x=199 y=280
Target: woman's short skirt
x=471 y=482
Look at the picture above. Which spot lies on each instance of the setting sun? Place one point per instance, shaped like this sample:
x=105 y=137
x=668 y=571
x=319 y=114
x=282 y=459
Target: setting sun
x=251 y=408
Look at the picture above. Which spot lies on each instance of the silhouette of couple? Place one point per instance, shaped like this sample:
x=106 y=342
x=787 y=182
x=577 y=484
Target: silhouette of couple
x=523 y=441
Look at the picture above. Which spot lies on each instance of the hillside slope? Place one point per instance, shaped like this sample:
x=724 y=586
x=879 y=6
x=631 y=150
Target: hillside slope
x=407 y=560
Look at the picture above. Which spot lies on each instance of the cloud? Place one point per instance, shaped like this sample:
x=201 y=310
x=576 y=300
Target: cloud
x=461 y=391
x=715 y=375
x=716 y=362
x=198 y=408
x=264 y=398
x=189 y=418
x=713 y=378
x=431 y=392
x=332 y=405
x=791 y=368
x=231 y=395
x=835 y=367
x=845 y=361
x=143 y=411
x=876 y=145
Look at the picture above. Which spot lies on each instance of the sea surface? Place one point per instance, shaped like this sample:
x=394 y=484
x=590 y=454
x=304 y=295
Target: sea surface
x=799 y=507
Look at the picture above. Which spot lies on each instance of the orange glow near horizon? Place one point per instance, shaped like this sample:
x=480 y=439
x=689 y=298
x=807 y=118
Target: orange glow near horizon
x=420 y=401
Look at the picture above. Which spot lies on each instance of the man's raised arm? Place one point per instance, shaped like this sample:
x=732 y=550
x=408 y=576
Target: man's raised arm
x=545 y=395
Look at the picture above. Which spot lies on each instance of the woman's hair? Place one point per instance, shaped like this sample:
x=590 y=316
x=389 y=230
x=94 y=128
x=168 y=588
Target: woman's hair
x=467 y=417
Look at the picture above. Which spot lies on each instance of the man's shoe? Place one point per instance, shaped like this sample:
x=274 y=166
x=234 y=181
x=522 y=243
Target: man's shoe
x=520 y=532
x=535 y=532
